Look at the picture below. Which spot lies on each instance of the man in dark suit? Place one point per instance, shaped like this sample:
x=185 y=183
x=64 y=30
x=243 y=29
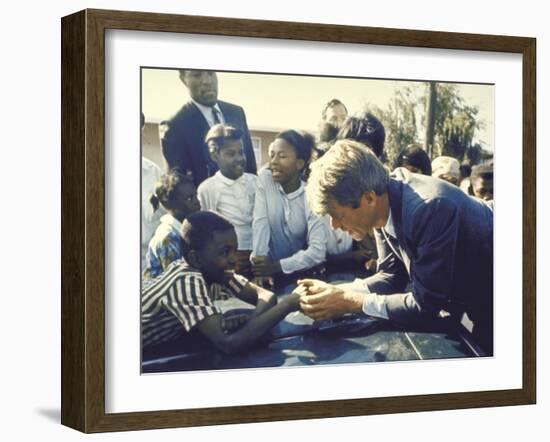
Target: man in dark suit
x=182 y=137
x=435 y=243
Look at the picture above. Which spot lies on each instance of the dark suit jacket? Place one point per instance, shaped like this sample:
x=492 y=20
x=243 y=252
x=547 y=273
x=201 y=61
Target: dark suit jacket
x=447 y=236
x=183 y=143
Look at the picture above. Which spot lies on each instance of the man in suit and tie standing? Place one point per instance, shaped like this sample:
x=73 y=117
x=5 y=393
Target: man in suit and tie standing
x=435 y=243
x=182 y=139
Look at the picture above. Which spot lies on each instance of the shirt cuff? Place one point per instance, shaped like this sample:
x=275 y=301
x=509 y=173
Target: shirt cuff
x=288 y=265
x=375 y=305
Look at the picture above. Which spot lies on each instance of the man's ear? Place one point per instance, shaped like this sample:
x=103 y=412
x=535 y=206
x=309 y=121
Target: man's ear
x=193 y=259
x=368 y=198
x=300 y=164
x=182 y=78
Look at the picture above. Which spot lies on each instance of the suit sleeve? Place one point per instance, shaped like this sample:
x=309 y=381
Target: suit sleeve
x=248 y=147
x=174 y=147
x=434 y=234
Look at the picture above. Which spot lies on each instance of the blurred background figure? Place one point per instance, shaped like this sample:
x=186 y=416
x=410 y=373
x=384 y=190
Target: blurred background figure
x=150 y=173
x=447 y=169
x=465 y=171
x=414 y=158
x=366 y=129
x=333 y=116
x=481 y=181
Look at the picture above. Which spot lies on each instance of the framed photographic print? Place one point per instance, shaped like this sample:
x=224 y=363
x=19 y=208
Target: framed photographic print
x=196 y=150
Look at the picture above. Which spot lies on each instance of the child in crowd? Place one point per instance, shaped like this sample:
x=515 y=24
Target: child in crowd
x=481 y=181
x=231 y=191
x=176 y=193
x=289 y=240
x=447 y=169
x=179 y=308
x=415 y=159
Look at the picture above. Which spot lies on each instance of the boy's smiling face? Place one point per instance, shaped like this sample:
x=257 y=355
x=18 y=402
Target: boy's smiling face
x=218 y=255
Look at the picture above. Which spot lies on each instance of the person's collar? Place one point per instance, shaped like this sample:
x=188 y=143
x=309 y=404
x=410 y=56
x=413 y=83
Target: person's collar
x=169 y=220
x=292 y=195
x=206 y=109
x=227 y=181
x=389 y=227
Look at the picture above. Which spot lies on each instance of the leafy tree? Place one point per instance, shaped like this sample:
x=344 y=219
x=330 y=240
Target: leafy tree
x=400 y=122
x=454 y=127
x=455 y=123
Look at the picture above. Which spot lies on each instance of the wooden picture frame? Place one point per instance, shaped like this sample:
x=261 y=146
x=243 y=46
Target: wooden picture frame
x=83 y=219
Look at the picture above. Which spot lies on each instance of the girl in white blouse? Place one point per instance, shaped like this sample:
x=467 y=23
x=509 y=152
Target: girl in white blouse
x=289 y=241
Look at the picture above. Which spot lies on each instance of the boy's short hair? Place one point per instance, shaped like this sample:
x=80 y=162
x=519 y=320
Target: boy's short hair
x=219 y=134
x=199 y=228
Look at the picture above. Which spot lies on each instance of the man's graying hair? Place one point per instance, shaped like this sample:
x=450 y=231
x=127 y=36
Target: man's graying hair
x=343 y=174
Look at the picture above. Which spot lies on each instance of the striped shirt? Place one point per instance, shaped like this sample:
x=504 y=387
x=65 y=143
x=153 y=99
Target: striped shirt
x=177 y=300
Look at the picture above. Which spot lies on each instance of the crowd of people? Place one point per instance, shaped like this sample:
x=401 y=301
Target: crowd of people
x=325 y=223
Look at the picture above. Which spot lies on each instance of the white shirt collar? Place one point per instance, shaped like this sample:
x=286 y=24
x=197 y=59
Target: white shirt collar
x=292 y=195
x=389 y=227
x=227 y=181
x=169 y=220
x=207 y=110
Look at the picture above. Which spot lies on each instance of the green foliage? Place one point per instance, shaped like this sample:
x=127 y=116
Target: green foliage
x=455 y=122
x=399 y=120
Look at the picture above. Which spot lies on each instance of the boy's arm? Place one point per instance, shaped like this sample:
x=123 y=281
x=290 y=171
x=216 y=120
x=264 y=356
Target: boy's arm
x=263 y=299
x=252 y=331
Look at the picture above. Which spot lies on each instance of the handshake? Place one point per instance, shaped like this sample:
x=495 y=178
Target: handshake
x=320 y=300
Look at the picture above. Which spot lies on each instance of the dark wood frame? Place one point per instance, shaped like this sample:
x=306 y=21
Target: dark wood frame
x=83 y=220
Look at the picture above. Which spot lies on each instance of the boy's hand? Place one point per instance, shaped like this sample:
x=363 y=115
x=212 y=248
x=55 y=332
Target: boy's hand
x=233 y=322
x=293 y=300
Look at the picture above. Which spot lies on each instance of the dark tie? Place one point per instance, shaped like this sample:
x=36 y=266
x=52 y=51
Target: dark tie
x=215 y=115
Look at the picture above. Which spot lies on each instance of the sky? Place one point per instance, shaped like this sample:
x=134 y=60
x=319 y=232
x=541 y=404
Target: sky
x=289 y=101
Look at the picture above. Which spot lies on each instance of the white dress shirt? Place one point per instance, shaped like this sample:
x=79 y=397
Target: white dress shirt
x=232 y=199
x=285 y=228
x=207 y=112
x=374 y=304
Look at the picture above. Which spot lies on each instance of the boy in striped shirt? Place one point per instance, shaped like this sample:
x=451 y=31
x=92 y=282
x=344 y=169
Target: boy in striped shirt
x=178 y=308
